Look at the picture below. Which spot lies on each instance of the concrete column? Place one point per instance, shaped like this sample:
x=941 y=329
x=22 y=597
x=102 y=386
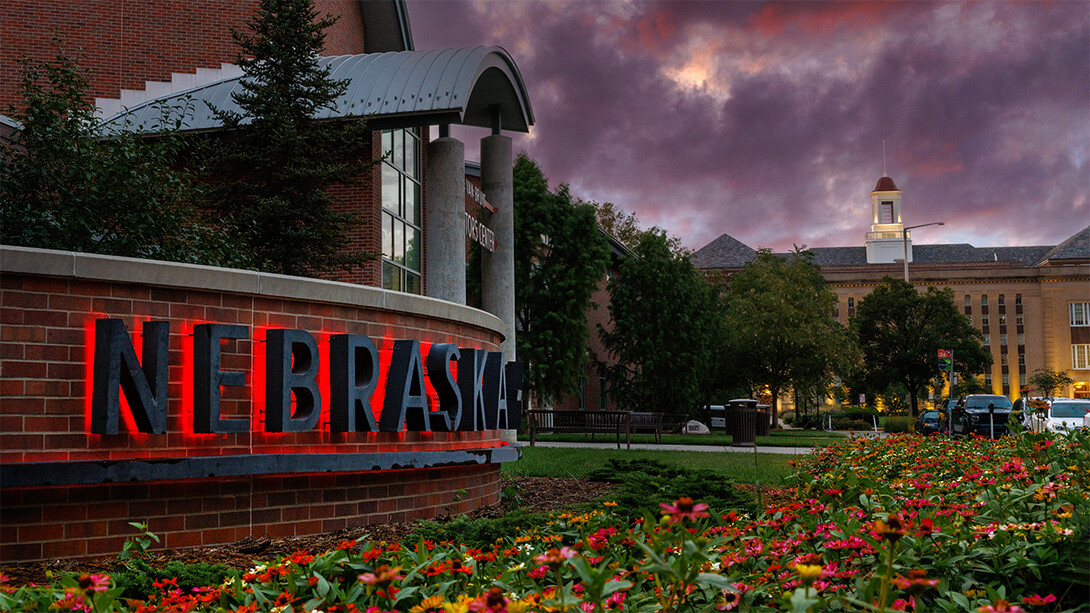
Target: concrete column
x=445 y=229
x=498 y=267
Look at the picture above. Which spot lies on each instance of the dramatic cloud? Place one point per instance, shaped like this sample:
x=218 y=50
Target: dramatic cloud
x=767 y=121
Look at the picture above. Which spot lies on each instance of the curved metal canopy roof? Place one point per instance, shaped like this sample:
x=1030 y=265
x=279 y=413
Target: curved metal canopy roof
x=396 y=89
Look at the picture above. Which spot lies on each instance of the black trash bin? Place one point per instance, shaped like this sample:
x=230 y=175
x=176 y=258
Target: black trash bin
x=764 y=420
x=742 y=421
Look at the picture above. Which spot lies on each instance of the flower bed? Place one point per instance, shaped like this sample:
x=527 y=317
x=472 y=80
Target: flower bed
x=902 y=523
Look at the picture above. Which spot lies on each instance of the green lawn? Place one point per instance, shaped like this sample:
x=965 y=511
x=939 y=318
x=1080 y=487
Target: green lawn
x=565 y=462
x=779 y=438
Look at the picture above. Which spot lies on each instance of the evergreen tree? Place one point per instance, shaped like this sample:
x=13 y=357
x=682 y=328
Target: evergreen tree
x=276 y=163
x=560 y=256
x=65 y=185
x=664 y=317
x=780 y=326
x=899 y=331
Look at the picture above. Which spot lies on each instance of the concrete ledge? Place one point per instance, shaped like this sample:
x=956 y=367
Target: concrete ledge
x=115 y=269
x=37 y=474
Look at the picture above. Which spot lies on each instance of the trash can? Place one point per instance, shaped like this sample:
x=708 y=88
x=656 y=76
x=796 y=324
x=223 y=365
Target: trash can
x=764 y=420
x=742 y=421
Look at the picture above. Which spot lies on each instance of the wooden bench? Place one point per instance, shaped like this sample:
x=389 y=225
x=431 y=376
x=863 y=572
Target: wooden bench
x=646 y=423
x=587 y=423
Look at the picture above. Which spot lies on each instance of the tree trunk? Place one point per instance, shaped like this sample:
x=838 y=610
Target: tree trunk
x=912 y=400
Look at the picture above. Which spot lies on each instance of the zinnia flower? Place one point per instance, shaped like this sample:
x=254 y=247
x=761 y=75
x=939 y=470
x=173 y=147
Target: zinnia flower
x=916 y=581
x=684 y=509
x=1001 y=606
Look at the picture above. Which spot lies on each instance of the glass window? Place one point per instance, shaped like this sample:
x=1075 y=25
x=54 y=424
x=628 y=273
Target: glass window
x=1019 y=319
x=987 y=340
x=1021 y=359
x=1002 y=320
x=983 y=300
x=1003 y=339
x=1021 y=338
x=401 y=232
x=1006 y=379
x=988 y=380
x=1080 y=313
x=968 y=301
x=1080 y=357
x=983 y=320
x=851 y=307
x=1003 y=359
x=1018 y=300
x=1000 y=300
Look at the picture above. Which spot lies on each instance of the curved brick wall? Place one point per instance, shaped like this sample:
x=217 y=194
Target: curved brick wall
x=48 y=304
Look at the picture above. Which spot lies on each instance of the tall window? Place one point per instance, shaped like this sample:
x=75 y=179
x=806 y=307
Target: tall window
x=1002 y=320
x=987 y=340
x=1019 y=319
x=1018 y=300
x=885 y=212
x=851 y=307
x=1021 y=359
x=401 y=219
x=1080 y=313
x=1003 y=359
x=983 y=320
x=1080 y=357
x=968 y=301
x=1000 y=299
x=983 y=300
x=1021 y=338
x=1003 y=339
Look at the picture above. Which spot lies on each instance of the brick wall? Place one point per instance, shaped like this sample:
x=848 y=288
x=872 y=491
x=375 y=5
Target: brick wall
x=127 y=42
x=46 y=337
x=91 y=520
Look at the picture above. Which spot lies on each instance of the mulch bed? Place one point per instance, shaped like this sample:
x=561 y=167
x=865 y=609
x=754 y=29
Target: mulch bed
x=535 y=494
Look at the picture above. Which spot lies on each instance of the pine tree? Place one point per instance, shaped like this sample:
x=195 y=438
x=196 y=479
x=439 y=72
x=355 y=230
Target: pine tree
x=276 y=164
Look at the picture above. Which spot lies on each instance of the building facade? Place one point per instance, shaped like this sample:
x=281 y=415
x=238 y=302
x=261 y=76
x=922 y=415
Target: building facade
x=227 y=404
x=1032 y=304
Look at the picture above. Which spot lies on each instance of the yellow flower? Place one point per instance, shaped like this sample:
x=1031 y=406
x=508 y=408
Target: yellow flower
x=808 y=573
x=609 y=504
x=428 y=604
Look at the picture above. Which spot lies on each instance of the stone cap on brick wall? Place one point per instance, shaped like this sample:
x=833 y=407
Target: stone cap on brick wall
x=116 y=269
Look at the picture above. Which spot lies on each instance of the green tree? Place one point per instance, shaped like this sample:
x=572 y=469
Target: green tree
x=1047 y=381
x=276 y=163
x=900 y=330
x=65 y=185
x=780 y=326
x=664 y=317
x=560 y=256
x=626 y=227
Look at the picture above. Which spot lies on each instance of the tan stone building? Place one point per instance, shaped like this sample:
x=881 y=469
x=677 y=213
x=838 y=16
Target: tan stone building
x=1031 y=303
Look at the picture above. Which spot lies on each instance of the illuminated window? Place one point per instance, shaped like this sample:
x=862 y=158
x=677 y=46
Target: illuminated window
x=885 y=212
x=987 y=340
x=1003 y=359
x=1002 y=320
x=1080 y=313
x=1080 y=357
x=401 y=219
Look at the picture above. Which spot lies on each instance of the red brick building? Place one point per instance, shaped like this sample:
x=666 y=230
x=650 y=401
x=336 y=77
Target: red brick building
x=70 y=485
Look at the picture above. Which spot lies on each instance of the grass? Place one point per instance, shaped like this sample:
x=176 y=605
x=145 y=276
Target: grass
x=778 y=438
x=578 y=463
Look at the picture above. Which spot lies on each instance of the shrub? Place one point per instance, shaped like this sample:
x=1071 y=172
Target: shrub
x=843 y=423
x=899 y=424
x=482 y=532
x=644 y=484
x=137 y=579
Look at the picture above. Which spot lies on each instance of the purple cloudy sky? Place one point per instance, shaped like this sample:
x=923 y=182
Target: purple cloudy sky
x=765 y=121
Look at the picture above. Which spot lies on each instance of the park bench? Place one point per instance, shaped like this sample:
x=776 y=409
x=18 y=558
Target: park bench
x=646 y=423
x=587 y=423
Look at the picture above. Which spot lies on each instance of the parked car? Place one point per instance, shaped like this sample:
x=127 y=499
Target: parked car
x=982 y=414
x=1062 y=414
x=930 y=422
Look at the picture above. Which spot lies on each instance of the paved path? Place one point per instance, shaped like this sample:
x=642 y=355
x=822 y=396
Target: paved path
x=655 y=447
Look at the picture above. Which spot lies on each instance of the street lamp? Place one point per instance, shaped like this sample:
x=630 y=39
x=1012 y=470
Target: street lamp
x=904 y=239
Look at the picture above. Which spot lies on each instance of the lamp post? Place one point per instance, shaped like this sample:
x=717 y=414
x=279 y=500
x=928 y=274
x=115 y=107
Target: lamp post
x=904 y=240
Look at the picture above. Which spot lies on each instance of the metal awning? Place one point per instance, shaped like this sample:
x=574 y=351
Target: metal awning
x=396 y=89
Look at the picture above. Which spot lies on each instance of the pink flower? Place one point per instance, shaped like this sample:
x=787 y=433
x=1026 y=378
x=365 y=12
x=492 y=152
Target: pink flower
x=1038 y=601
x=616 y=601
x=94 y=583
x=554 y=558
x=1001 y=606
x=727 y=600
x=684 y=509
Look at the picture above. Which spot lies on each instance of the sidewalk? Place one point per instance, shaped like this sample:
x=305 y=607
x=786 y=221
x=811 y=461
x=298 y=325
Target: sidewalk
x=655 y=447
